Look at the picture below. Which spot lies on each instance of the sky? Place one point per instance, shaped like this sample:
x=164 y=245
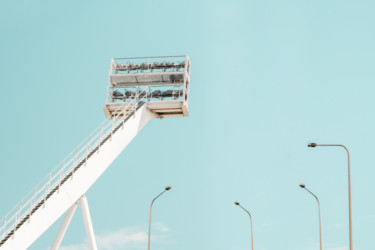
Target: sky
x=267 y=78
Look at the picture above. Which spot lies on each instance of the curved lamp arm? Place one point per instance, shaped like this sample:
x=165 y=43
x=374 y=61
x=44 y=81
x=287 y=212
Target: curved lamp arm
x=320 y=222
x=313 y=145
x=251 y=223
x=149 y=224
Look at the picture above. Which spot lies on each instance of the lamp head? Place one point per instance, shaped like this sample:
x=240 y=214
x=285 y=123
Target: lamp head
x=168 y=188
x=302 y=185
x=237 y=203
x=312 y=145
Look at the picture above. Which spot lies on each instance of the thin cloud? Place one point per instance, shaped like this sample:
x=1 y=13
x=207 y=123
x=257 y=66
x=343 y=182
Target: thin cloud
x=75 y=247
x=316 y=246
x=338 y=248
x=128 y=237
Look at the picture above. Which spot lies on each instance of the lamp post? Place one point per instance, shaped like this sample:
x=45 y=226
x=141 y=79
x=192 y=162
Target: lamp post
x=149 y=224
x=320 y=223
x=313 y=145
x=251 y=223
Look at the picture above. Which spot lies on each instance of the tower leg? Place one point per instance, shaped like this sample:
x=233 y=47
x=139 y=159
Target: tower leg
x=64 y=225
x=88 y=223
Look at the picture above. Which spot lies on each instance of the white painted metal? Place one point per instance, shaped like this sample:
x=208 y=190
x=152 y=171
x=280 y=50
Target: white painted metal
x=77 y=184
x=64 y=226
x=53 y=181
x=88 y=224
x=68 y=182
x=143 y=78
x=170 y=76
x=168 y=108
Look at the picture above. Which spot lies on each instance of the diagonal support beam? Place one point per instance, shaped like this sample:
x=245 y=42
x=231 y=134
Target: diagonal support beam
x=72 y=189
x=64 y=226
x=88 y=224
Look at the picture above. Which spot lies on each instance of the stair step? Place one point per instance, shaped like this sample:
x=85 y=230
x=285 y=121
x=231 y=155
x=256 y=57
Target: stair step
x=93 y=151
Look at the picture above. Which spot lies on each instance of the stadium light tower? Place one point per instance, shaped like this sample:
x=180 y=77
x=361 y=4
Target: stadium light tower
x=160 y=82
x=139 y=90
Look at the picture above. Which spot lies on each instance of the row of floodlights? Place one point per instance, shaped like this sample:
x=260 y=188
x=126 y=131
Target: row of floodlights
x=149 y=66
x=155 y=94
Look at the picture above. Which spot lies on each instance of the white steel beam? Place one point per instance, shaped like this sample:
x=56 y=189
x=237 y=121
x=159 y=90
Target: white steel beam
x=73 y=189
x=88 y=224
x=64 y=225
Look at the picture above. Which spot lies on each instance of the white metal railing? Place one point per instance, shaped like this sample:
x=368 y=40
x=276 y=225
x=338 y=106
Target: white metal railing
x=56 y=177
x=148 y=67
x=148 y=64
x=171 y=92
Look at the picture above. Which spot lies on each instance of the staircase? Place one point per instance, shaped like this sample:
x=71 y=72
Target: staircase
x=56 y=180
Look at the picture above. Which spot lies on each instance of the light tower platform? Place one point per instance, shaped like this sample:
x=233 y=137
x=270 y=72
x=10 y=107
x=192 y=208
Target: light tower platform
x=161 y=83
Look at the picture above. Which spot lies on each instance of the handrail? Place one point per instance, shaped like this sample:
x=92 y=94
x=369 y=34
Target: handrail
x=67 y=166
x=149 y=57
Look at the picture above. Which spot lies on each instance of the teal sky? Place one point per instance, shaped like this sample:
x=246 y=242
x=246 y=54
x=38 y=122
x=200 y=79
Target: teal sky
x=267 y=77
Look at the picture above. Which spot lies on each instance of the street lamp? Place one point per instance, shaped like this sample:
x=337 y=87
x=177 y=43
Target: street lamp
x=313 y=145
x=251 y=223
x=320 y=224
x=149 y=224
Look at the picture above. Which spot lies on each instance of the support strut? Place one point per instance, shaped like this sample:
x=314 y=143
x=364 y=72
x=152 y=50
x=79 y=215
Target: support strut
x=86 y=219
x=64 y=225
x=88 y=224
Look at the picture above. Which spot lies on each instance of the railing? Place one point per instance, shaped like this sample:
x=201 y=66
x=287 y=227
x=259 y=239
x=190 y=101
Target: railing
x=173 y=92
x=67 y=167
x=148 y=64
x=150 y=72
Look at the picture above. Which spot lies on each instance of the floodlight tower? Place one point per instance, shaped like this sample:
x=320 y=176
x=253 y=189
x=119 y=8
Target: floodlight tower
x=160 y=82
x=139 y=90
